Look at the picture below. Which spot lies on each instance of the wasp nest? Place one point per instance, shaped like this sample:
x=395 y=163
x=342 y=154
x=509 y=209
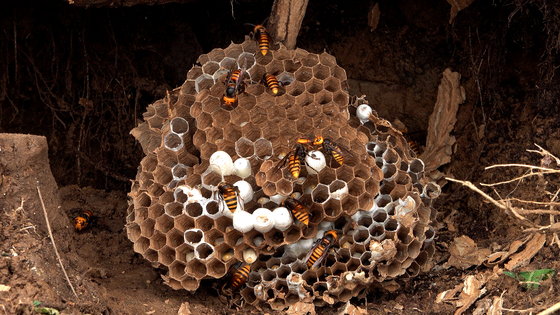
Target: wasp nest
x=197 y=149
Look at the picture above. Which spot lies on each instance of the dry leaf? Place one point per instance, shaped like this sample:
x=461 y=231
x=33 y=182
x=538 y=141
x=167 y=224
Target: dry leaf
x=301 y=308
x=470 y=291
x=350 y=309
x=4 y=288
x=496 y=308
x=531 y=249
x=373 y=17
x=499 y=257
x=439 y=142
x=456 y=6
x=465 y=253
x=185 y=309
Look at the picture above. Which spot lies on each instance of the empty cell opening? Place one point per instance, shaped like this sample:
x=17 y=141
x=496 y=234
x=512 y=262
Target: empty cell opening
x=269 y=275
x=214 y=134
x=175 y=238
x=179 y=125
x=193 y=236
x=196 y=268
x=142 y=201
x=340 y=98
x=183 y=223
x=329 y=261
x=356 y=187
x=204 y=223
x=210 y=178
x=246 y=60
x=365 y=221
x=383 y=200
x=319 y=288
x=333 y=208
x=430 y=233
x=274 y=237
x=177 y=270
x=314 y=86
x=147 y=228
x=386 y=187
x=173 y=209
x=310 y=232
x=166 y=256
x=310 y=60
x=210 y=67
x=390 y=156
x=157 y=241
x=204 y=121
x=422 y=258
x=321 y=72
x=287 y=259
x=283 y=272
x=380 y=216
x=133 y=232
x=339 y=73
x=164 y=223
x=304 y=74
x=293 y=234
x=353 y=264
x=350 y=203
x=155 y=211
x=402 y=178
x=340 y=223
x=194 y=210
x=360 y=235
x=327 y=176
x=416 y=166
x=337 y=185
x=141 y=245
x=204 y=81
x=403 y=236
x=296 y=89
x=204 y=250
x=392 y=225
x=263 y=148
x=320 y=194
x=194 y=73
x=332 y=85
x=291 y=66
x=216 y=268
x=212 y=207
x=377 y=231
x=310 y=279
x=362 y=171
x=343 y=255
x=180 y=196
x=151 y=255
x=414 y=249
x=365 y=259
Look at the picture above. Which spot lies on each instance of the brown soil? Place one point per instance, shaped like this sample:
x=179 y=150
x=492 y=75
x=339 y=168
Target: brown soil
x=83 y=77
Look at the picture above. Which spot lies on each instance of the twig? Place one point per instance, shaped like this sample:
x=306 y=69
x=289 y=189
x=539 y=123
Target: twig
x=500 y=205
x=535 y=202
x=523 y=165
x=518 y=178
x=52 y=240
x=551 y=309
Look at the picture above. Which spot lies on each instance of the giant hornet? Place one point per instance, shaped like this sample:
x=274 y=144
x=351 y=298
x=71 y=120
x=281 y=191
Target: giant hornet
x=298 y=209
x=295 y=158
x=229 y=194
x=262 y=38
x=411 y=143
x=237 y=280
x=235 y=85
x=272 y=83
x=82 y=220
x=333 y=149
x=320 y=249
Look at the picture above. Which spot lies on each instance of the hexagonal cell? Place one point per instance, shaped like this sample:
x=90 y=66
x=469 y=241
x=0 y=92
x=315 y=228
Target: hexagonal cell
x=338 y=73
x=320 y=194
x=332 y=84
x=268 y=275
x=204 y=223
x=382 y=200
x=205 y=81
x=314 y=86
x=296 y=89
x=258 y=115
x=377 y=231
x=177 y=269
x=326 y=176
x=340 y=98
x=210 y=67
x=360 y=235
x=164 y=223
x=304 y=74
x=203 y=251
x=338 y=189
x=291 y=66
x=350 y=204
x=380 y=216
x=141 y=245
x=263 y=148
x=333 y=208
x=251 y=131
x=233 y=237
x=193 y=210
x=194 y=73
x=214 y=237
x=216 y=268
x=284 y=187
x=246 y=101
x=173 y=141
x=365 y=221
x=292 y=234
x=316 y=213
x=157 y=241
x=183 y=222
x=151 y=255
x=173 y=209
x=193 y=236
x=196 y=269
x=133 y=232
x=142 y=200
x=356 y=187
x=416 y=166
x=321 y=72
x=244 y=147
x=147 y=228
x=391 y=227
x=166 y=255
x=310 y=60
x=155 y=211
